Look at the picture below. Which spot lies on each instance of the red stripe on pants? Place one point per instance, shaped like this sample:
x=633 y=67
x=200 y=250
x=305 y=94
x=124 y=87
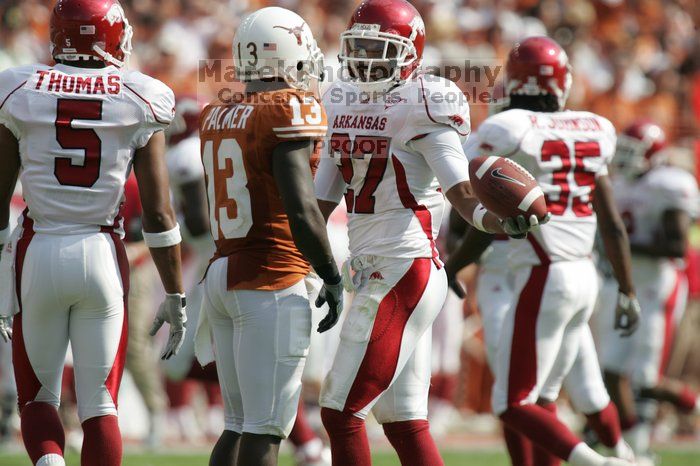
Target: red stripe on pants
x=28 y=384
x=382 y=355
x=669 y=324
x=114 y=378
x=522 y=375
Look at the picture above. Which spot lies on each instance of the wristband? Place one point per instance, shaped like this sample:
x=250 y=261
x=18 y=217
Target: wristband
x=328 y=273
x=4 y=235
x=164 y=238
x=478 y=218
x=181 y=296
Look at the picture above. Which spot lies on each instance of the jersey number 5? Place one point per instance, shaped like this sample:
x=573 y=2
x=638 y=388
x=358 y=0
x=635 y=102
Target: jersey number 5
x=573 y=187
x=69 y=138
x=230 y=211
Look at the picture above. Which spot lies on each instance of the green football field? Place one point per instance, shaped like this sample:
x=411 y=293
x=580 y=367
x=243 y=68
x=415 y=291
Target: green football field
x=669 y=458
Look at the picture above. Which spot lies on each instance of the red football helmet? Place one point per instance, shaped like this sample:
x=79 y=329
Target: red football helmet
x=640 y=147
x=186 y=121
x=385 y=37
x=90 y=29
x=536 y=66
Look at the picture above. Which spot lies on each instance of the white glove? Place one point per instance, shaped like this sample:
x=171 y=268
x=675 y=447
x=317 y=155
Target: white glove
x=6 y=328
x=333 y=295
x=173 y=312
x=627 y=314
x=518 y=227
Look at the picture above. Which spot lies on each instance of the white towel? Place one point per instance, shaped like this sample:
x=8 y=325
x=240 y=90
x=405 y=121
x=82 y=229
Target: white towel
x=203 y=347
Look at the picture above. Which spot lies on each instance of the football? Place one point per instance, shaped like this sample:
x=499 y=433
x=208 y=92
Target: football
x=505 y=188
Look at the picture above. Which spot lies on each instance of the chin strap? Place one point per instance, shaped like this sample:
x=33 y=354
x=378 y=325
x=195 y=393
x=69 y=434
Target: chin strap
x=125 y=46
x=109 y=58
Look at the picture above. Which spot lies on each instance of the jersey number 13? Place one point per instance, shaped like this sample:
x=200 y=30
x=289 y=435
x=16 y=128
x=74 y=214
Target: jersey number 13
x=230 y=210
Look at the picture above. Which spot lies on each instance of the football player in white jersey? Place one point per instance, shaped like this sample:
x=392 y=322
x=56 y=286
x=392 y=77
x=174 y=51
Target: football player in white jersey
x=657 y=203
x=584 y=382
x=71 y=133
x=395 y=145
x=553 y=277
x=186 y=174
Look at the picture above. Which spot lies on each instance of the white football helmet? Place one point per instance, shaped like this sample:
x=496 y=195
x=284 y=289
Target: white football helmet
x=277 y=43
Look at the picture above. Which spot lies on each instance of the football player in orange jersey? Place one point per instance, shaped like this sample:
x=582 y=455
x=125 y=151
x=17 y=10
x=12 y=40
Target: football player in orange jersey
x=259 y=155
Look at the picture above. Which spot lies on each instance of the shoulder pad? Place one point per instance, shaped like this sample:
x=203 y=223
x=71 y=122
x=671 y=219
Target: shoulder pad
x=608 y=133
x=436 y=103
x=12 y=79
x=157 y=98
x=296 y=115
x=184 y=161
x=676 y=188
x=501 y=134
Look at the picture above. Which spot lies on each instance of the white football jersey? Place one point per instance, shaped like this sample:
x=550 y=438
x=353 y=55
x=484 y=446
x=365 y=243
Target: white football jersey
x=184 y=164
x=495 y=258
x=393 y=197
x=643 y=201
x=565 y=152
x=77 y=130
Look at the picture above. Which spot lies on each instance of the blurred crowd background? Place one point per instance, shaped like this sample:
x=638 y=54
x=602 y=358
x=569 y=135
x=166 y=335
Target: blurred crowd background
x=630 y=58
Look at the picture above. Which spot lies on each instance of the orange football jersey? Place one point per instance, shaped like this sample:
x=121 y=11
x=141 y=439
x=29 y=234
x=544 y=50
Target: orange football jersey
x=248 y=221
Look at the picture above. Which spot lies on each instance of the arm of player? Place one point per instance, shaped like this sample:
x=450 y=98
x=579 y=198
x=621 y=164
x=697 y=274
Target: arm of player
x=290 y=167
x=467 y=252
x=9 y=158
x=617 y=248
x=443 y=151
x=328 y=186
x=326 y=208
x=673 y=236
x=465 y=202
x=194 y=207
x=10 y=161
x=159 y=218
x=456 y=228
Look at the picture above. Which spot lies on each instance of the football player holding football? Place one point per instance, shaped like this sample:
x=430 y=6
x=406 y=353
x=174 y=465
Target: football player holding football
x=72 y=133
x=554 y=283
x=395 y=146
x=259 y=154
x=657 y=202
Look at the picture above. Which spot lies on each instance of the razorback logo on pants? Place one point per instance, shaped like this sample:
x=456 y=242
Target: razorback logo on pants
x=383 y=361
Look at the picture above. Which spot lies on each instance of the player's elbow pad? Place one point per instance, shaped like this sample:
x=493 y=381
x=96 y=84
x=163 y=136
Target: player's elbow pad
x=443 y=152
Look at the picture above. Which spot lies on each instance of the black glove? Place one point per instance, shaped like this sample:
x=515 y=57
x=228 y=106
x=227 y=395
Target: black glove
x=518 y=227
x=331 y=293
